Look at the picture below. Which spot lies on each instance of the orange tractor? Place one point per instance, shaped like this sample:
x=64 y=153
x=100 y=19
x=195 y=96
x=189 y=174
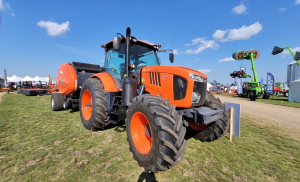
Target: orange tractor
x=159 y=104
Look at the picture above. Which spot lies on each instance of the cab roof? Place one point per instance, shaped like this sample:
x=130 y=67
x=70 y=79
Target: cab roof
x=109 y=45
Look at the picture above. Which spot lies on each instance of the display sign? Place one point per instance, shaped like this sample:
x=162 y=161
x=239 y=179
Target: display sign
x=239 y=85
x=270 y=83
x=285 y=86
x=5 y=84
x=235 y=118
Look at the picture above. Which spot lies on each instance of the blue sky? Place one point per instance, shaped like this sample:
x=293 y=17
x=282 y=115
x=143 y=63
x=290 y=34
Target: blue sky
x=36 y=37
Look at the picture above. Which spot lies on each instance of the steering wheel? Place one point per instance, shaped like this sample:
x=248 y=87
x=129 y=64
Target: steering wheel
x=140 y=65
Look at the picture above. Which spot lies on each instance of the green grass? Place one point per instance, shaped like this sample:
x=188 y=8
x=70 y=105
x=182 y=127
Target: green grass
x=37 y=144
x=277 y=100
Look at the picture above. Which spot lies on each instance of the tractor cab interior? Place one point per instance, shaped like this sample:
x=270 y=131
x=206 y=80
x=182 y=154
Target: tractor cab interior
x=140 y=56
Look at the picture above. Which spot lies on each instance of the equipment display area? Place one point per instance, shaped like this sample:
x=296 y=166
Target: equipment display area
x=32 y=92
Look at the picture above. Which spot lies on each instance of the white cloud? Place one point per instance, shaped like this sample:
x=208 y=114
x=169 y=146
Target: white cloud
x=12 y=14
x=205 y=44
x=102 y=61
x=219 y=34
x=242 y=33
x=73 y=50
x=176 y=51
x=8 y=6
x=1 y=5
x=204 y=71
x=226 y=59
x=53 y=28
x=287 y=52
x=197 y=59
x=282 y=9
x=240 y=9
x=297 y=2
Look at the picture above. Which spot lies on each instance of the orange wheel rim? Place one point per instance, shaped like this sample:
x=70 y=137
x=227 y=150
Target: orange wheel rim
x=86 y=105
x=197 y=126
x=141 y=133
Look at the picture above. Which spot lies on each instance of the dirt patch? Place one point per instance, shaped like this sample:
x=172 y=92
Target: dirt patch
x=210 y=160
x=31 y=162
x=56 y=142
x=82 y=163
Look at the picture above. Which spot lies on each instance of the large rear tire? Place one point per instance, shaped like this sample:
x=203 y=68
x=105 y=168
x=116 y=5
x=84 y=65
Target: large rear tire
x=57 y=101
x=252 y=96
x=92 y=105
x=266 y=95
x=155 y=133
x=214 y=130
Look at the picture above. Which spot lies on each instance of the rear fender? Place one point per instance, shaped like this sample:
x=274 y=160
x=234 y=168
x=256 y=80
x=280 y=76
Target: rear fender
x=107 y=81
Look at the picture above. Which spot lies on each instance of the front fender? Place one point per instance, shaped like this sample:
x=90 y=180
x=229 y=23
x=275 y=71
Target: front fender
x=107 y=81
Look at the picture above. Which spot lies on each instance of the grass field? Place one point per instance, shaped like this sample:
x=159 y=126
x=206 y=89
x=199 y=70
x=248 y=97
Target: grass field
x=37 y=144
x=277 y=100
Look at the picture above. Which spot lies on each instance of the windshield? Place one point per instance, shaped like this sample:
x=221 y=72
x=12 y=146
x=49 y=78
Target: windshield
x=140 y=56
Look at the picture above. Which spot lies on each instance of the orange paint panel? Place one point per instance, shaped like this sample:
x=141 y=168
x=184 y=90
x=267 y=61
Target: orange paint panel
x=162 y=83
x=66 y=79
x=107 y=81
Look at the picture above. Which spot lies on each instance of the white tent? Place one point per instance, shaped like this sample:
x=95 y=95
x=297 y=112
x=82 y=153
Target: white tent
x=27 y=78
x=14 y=79
x=208 y=86
x=43 y=79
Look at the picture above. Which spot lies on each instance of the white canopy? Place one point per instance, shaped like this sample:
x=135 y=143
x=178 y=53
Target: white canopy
x=43 y=79
x=27 y=78
x=14 y=79
x=208 y=86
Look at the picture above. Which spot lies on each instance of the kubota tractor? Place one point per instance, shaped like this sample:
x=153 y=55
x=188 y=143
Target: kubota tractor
x=159 y=104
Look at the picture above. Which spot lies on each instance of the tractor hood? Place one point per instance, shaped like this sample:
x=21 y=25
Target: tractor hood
x=174 y=70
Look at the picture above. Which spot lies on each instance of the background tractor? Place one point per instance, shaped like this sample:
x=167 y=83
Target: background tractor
x=159 y=104
x=251 y=89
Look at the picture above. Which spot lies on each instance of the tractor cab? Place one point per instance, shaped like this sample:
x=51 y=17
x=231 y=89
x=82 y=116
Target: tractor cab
x=141 y=54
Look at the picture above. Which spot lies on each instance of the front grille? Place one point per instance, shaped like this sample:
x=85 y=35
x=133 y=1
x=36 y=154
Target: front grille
x=154 y=79
x=179 y=87
x=200 y=88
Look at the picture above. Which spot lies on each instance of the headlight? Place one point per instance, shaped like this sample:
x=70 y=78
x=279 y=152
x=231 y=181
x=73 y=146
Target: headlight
x=196 y=78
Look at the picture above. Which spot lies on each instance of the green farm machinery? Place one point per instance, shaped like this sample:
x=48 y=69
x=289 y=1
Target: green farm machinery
x=251 y=89
x=278 y=50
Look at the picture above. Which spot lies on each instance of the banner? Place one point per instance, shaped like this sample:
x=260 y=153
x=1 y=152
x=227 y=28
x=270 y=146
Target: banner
x=270 y=83
x=216 y=86
x=239 y=85
x=5 y=75
x=285 y=86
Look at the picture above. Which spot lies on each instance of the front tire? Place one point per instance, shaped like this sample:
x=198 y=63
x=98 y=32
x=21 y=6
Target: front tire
x=214 y=130
x=57 y=101
x=92 y=105
x=155 y=133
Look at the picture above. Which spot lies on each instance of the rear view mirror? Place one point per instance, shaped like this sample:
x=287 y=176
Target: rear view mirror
x=238 y=55
x=297 y=56
x=277 y=50
x=171 y=57
x=117 y=43
x=255 y=53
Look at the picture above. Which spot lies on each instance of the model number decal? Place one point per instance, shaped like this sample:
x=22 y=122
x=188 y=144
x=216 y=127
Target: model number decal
x=166 y=77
